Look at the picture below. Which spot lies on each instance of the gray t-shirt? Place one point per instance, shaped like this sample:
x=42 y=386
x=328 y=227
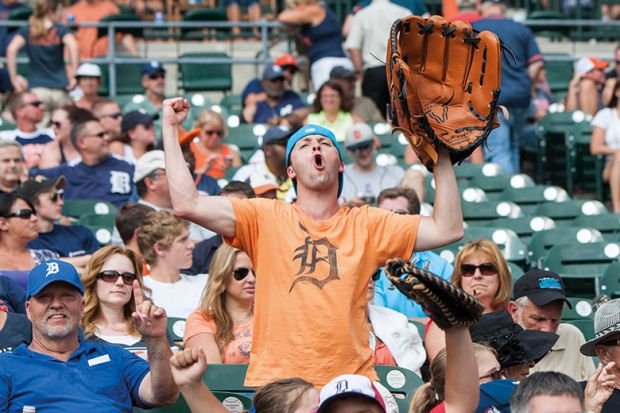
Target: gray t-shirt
x=369 y=184
x=47 y=61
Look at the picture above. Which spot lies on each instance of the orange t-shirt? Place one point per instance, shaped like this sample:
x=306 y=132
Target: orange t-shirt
x=237 y=351
x=311 y=278
x=218 y=166
x=88 y=43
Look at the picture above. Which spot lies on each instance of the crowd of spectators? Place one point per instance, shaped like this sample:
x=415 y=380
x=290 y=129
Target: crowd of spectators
x=274 y=259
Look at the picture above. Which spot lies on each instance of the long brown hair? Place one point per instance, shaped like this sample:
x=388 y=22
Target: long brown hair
x=37 y=18
x=346 y=103
x=282 y=396
x=213 y=304
x=491 y=252
x=92 y=311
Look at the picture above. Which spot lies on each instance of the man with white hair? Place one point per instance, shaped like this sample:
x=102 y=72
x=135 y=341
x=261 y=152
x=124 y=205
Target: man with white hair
x=538 y=301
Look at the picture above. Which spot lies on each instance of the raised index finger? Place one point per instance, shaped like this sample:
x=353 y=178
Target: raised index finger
x=138 y=299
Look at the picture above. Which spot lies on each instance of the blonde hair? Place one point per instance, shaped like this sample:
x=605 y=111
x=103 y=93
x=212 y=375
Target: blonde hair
x=92 y=311
x=160 y=228
x=208 y=116
x=37 y=18
x=213 y=304
x=494 y=256
x=432 y=393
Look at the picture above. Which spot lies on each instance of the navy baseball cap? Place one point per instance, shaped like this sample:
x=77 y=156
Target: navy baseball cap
x=152 y=68
x=276 y=135
x=313 y=130
x=540 y=286
x=135 y=118
x=273 y=72
x=49 y=272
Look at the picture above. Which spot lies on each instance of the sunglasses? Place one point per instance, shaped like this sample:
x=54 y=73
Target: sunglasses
x=111 y=276
x=35 y=103
x=240 y=273
x=494 y=375
x=100 y=135
x=361 y=148
x=468 y=270
x=114 y=115
x=56 y=196
x=213 y=132
x=22 y=213
x=376 y=275
x=613 y=342
x=289 y=68
x=156 y=76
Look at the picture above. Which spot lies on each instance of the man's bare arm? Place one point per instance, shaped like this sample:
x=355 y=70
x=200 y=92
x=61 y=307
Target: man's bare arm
x=446 y=224
x=212 y=212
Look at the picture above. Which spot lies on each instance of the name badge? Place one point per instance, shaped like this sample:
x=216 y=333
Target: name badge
x=99 y=360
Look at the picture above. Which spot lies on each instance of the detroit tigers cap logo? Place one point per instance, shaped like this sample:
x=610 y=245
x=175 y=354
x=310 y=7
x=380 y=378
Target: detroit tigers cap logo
x=342 y=386
x=52 y=268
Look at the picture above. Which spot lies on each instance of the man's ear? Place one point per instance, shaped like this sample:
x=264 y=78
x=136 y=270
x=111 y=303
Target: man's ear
x=603 y=354
x=291 y=172
x=4 y=224
x=512 y=309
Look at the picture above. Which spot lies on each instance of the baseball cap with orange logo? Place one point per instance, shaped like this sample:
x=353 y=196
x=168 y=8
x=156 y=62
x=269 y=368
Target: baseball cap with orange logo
x=358 y=135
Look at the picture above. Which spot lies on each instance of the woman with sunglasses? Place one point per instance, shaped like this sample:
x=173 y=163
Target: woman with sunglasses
x=222 y=325
x=332 y=109
x=61 y=149
x=213 y=157
x=481 y=270
x=18 y=226
x=108 y=297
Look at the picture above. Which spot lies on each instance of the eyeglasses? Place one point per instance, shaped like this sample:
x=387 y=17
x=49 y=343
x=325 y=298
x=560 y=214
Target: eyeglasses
x=468 y=270
x=240 y=273
x=114 y=115
x=156 y=76
x=55 y=124
x=22 y=213
x=613 y=342
x=111 y=276
x=100 y=135
x=494 y=375
x=289 y=68
x=35 y=103
x=56 y=196
x=213 y=132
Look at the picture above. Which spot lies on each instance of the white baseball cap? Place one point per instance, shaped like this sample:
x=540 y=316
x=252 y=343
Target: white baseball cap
x=89 y=70
x=348 y=385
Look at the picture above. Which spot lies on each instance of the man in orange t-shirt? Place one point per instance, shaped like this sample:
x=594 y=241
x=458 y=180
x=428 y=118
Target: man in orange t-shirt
x=313 y=260
x=92 y=11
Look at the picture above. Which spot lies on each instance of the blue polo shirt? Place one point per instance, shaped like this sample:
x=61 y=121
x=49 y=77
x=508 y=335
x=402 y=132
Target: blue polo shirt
x=67 y=241
x=386 y=295
x=287 y=105
x=110 y=181
x=96 y=378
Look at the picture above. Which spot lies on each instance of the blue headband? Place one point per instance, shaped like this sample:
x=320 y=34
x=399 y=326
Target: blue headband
x=313 y=130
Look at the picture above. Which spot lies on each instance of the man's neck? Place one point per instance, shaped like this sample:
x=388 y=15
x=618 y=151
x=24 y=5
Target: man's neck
x=165 y=272
x=369 y=168
x=155 y=99
x=154 y=199
x=60 y=349
x=44 y=225
x=91 y=159
x=317 y=205
x=25 y=125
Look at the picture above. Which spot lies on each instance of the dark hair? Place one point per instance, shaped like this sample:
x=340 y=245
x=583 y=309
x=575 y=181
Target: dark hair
x=413 y=202
x=78 y=129
x=548 y=383
x=78 y=115
x=613 y=101
x=346 y=103
x=16 y=101
x=234 y=187
x=7 y=200
x=282 y=396
x=129 y=218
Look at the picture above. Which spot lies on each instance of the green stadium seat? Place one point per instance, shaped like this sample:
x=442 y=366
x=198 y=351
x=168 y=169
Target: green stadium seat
x=552 y=32
x=480 y=213
x=232 y=104
x=582 y=309
x=582 y=266
x=206 y=77
x=99 y=220
x=401 y=382
x=564 y=213
x=494 y=185
x=121 y=17
x=128 y=81
x=205 y=14
x=515 y=272
x=584 y=170
x=233 y=402
x=176 y=329
x=585 y=326
x=76 y=208
x=543 y=241
x=524 y=227
x=530 y=197
x=227 y=378
x=610 y=282
x=559 y=71
x=102 y=234
x=5 y=125
x=608 y=224
x=246 y=137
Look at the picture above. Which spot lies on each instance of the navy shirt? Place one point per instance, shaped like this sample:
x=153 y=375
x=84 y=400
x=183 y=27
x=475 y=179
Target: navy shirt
x=516 y=82
x=12 y=296
x=287 y=105
x=203 y=254
x=47 y=63
x=110 y=181
x=324 y=39
x=96 y=378
x=253 y=86
x=67 y=241
x=17 y=330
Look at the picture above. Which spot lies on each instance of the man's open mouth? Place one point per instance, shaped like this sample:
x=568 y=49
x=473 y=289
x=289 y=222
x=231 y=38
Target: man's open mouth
x=318 y=162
